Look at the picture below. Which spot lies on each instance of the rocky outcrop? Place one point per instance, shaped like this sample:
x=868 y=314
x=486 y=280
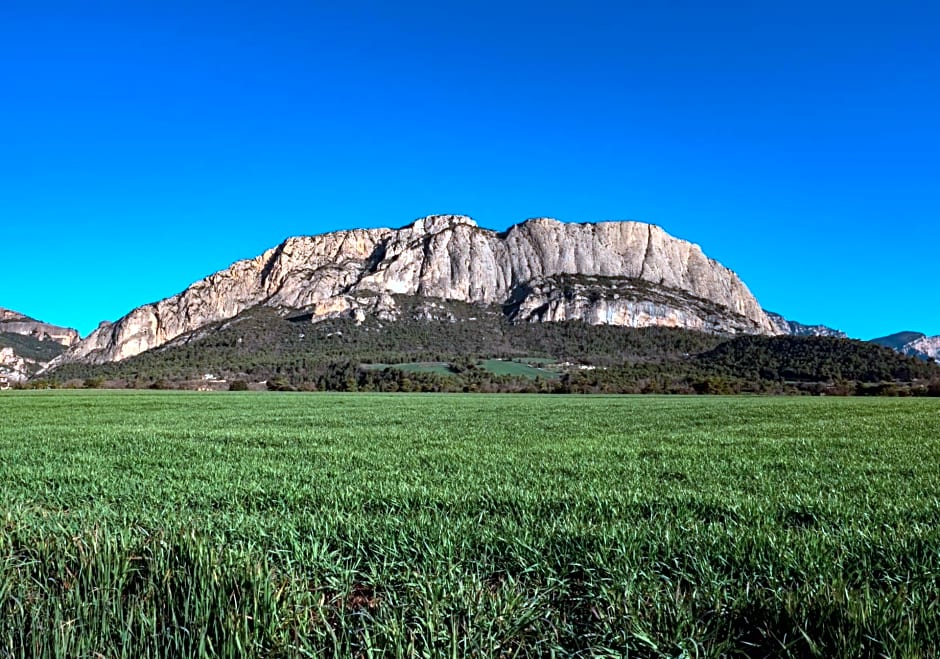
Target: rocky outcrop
x=7 y=315
x=915 y=344
x=627 y=302
x=793 y=328
x=13 y=368
x=642 y=276
x=926 y=347
x=12 y=322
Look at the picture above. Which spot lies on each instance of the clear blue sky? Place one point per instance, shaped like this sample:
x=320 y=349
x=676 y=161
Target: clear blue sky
x=144 y=145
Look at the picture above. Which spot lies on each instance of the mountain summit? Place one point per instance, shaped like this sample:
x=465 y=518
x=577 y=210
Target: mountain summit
x=616 y=273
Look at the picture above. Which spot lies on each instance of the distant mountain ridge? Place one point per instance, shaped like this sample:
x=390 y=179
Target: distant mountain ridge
x=626 y=274
x=915 y=344
x=793 y=328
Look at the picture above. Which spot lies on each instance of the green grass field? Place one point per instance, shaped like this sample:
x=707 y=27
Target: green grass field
x=528 y=370
x=438 y=368
x=150 y=524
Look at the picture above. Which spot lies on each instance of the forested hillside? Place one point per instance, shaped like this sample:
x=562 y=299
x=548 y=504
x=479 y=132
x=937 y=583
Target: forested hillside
x=455 y=346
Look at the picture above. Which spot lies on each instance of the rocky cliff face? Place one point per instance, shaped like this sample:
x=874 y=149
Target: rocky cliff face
x=620 y=273
x=927 y=347
x=12 y=322
x=13 y=368
x=793 y=328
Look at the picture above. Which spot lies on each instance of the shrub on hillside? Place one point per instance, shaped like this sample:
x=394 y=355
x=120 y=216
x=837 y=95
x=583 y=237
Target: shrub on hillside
x=280 y=384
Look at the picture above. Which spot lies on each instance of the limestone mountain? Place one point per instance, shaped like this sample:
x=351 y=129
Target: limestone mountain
x=793 y=328
x=915 y=344
x=615 y=273
x=27 y=345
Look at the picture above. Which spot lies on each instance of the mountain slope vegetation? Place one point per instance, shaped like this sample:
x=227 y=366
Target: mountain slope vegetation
x=30 y=347
x=451 y=346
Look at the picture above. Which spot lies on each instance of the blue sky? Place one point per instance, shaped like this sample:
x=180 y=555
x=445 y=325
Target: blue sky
x=144 y=145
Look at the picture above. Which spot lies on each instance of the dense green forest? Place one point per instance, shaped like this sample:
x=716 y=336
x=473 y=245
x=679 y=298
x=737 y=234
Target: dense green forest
x=456 y=352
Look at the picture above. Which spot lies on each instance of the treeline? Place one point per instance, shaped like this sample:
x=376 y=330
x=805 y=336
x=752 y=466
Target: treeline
x=813 y=359
x=347 y=376
x=350 y=376
x=771 y=365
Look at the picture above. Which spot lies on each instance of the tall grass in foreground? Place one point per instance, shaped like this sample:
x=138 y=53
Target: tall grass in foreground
x=172 y=524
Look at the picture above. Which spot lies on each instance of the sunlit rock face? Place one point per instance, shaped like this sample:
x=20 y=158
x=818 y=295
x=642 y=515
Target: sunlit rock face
x=12 y=322
x=13 y=368
x=927 y=347
x=541 y=271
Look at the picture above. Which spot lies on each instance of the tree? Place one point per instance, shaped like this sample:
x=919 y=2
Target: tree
x=280 y=384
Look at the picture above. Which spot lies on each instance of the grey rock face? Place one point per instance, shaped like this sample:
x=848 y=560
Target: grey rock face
x=627 y=302
x=349 y=273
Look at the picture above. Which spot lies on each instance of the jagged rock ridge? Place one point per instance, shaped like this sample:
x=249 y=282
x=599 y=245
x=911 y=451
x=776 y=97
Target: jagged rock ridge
x=621 y=273
x=793 y=328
